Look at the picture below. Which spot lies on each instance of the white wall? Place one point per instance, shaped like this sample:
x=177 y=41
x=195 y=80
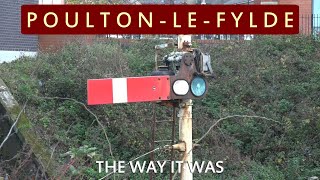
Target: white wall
x=51 y=1
x=8 y=56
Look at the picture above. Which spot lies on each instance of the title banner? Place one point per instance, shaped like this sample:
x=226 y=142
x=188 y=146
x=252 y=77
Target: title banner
x=160 y=19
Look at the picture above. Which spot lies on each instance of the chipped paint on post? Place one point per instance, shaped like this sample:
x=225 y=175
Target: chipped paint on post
x=185 y=136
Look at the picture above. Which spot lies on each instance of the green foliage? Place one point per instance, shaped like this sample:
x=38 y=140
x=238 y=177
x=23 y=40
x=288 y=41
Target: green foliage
x=259 y=171
x=274 y=77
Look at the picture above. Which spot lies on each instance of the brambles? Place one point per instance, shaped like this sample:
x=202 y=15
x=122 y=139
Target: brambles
x=276 y=78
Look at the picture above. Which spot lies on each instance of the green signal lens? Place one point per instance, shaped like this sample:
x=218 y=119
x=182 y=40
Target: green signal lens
x=198 y=86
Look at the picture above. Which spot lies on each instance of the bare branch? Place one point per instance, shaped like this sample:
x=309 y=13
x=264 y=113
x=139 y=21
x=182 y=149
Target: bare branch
x=217 y=122
x=95 y=116
x=233 y=116
x=13 y=125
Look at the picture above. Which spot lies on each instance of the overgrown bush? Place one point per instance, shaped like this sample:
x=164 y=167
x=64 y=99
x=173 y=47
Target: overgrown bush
x=273 y=77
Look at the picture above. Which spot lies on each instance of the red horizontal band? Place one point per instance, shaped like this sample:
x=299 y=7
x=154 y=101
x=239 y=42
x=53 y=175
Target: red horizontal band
x=126 y=90
x=160 y=19
x=99 y=91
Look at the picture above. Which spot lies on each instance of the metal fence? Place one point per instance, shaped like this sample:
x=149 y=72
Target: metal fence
x=316 y=24
x=308 y=25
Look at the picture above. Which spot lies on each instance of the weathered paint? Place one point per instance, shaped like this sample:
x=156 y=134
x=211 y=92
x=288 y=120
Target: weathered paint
x=185 y=136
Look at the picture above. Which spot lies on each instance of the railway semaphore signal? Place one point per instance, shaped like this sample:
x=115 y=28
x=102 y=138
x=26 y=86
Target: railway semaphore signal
x=188 y=83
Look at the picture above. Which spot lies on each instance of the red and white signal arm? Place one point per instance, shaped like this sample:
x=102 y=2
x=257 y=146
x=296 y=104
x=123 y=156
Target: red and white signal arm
x=127 y=90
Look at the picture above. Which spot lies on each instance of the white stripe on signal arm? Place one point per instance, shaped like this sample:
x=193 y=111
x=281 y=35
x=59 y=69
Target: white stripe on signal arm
x=120 y=90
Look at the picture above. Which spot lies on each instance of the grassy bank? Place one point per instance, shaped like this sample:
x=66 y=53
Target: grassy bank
x=273 y=77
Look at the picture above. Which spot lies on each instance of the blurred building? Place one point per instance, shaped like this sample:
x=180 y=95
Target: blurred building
x=13 y=44
x=309 y=12
x=51 y=43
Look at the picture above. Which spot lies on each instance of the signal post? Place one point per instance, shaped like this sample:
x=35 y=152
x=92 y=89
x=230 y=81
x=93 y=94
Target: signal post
x=183 y=80
x=185 y=128
x=185 y=136
x=185 y=116
x=188 y=83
